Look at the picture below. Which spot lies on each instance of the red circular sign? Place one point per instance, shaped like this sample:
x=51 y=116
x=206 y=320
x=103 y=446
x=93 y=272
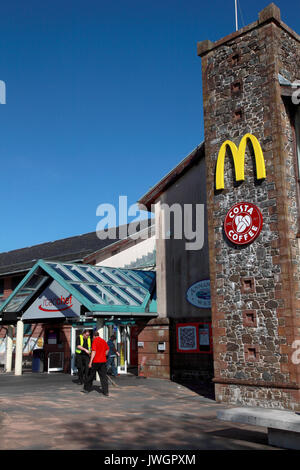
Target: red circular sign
x=243 y=223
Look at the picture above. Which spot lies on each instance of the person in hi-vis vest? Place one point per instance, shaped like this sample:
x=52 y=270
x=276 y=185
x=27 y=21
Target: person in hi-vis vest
x=83 y=351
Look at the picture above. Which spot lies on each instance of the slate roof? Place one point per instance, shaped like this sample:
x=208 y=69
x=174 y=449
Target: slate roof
x=72 y=249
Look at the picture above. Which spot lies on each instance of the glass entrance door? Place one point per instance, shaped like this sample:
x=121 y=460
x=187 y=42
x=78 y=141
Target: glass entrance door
x=123 y=340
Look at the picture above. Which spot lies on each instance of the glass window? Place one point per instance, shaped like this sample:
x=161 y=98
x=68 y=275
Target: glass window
x=15 y=281
x=133 y=294
x=86 y=294
x=63 y=274
x=106 y=275
x=78 y=274
x=93 y=275
x=25 y=293
x=27 y=329
x=142 y=277
x=105 y=294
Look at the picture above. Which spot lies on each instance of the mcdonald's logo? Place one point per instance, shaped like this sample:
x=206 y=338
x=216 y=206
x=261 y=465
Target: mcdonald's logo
x=238 y=154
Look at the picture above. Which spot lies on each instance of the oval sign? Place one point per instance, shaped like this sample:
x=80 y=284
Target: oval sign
x=243 y=223
x=199 y=294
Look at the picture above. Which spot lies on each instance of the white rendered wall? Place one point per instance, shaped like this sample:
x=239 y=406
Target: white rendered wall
x=130 y=254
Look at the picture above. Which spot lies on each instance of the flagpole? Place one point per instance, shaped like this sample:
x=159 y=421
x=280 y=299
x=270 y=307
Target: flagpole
x=236 y=16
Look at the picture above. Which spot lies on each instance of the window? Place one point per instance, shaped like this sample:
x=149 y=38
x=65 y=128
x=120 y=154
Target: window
x=27 y=329
x=15 y=281
x=1 y=287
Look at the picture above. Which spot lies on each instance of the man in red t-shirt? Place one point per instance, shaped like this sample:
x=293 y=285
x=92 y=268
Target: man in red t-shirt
x=97 y=363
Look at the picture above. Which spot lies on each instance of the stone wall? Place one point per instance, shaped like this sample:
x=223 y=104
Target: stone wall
x=254 y=287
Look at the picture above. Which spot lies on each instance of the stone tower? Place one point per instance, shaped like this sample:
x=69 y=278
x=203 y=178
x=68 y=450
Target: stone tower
x=247 y=89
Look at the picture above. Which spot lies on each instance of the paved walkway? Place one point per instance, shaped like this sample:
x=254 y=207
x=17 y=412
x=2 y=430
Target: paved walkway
x=49 y=412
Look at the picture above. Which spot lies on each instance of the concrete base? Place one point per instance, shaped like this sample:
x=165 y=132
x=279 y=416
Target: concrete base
x=284 y=439
x=283 y=426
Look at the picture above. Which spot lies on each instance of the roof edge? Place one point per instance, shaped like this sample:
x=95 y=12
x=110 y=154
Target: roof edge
x=170 y=178
x=270 y=13
x=124 y=242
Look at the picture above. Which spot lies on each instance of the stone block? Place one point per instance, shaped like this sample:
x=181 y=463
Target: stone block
x=271 y=11
x=283 y=426
x=204 y=46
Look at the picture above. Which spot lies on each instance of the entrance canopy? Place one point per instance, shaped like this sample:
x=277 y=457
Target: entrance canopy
x=68 y=290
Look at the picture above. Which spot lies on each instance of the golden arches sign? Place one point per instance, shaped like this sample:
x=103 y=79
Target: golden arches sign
x=238 y=154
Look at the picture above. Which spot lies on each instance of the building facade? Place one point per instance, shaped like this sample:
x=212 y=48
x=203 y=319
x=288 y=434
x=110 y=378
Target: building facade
x=182 y=272
x=226 y=251
x=53 y=336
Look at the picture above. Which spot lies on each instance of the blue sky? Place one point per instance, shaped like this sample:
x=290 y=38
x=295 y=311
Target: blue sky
x=103 y=99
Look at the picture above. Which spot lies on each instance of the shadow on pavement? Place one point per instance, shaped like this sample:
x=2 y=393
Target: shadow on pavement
x=242 y=435
x=205 y=389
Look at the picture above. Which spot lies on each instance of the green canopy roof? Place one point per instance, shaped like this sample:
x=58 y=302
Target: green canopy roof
x=99 y=289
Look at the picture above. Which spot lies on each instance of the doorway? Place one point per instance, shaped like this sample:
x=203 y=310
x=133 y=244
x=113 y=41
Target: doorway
x=123 y=341
x=76 y=331
x=122 y=332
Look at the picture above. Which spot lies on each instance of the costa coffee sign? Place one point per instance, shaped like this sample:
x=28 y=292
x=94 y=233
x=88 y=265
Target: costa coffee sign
x=243 y=223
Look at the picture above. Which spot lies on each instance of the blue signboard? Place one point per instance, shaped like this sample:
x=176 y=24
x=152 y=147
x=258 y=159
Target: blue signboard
x=199 y=294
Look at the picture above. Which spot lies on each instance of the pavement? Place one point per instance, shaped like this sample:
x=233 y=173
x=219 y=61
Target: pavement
x=40 y=411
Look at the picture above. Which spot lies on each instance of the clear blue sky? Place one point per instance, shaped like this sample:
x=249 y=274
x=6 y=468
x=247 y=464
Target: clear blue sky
x=103 y=99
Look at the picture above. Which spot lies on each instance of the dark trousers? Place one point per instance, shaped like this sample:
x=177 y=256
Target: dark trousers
x=82 y=364
x=99 y=367
x=111 y=365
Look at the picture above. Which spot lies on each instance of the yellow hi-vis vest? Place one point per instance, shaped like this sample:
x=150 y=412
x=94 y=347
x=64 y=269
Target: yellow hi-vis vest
x=79 y=351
